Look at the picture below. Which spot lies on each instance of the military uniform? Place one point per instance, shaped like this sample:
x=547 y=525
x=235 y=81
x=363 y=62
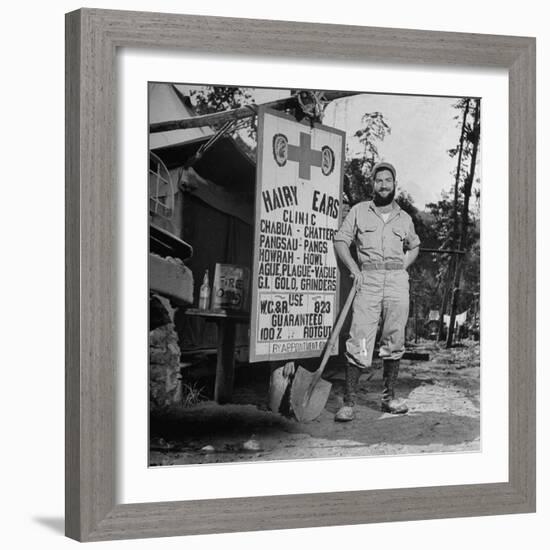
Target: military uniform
x=383 y=291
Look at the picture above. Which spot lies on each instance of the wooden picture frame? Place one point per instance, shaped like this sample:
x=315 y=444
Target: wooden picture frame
x=92 y=39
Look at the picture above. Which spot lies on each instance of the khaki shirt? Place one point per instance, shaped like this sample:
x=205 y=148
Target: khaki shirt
x=376 y=240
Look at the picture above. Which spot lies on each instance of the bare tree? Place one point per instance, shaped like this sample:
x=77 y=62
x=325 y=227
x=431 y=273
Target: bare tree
x=472 y=134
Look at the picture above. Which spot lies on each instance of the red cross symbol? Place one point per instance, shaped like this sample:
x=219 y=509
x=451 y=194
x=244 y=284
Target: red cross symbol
x=305 y=155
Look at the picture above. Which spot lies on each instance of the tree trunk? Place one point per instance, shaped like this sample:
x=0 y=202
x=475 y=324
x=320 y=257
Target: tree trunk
x=474 y=138
x=454 y=303
x=453 y=263
x=445 y=301
x=463 y=139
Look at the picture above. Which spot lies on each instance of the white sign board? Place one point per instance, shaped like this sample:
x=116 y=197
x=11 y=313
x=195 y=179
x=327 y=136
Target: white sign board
x=298 y=209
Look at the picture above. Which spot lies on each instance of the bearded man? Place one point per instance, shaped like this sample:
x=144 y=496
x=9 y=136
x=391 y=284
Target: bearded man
x=387 y=245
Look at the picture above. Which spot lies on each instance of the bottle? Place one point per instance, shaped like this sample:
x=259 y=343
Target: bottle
x=204 y=292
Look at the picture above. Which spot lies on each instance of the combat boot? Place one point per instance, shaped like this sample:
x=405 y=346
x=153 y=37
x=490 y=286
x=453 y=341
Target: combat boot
x=389 y=404
x=346 y=413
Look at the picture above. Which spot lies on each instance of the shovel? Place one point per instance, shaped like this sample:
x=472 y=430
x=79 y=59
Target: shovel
x=309 y=393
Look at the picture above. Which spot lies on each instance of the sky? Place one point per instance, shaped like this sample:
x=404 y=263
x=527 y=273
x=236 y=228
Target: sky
x=423 y=129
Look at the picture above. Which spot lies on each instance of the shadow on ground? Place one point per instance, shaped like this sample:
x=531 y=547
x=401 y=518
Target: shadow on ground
x=443 y=397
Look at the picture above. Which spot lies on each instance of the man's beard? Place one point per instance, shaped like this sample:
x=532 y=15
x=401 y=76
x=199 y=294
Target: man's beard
x=384 y=201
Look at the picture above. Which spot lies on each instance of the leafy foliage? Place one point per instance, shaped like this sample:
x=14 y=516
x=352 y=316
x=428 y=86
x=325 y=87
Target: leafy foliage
x=357 y=185
x=374 y=129
x=357 y=181
x=214 y=99
x=455 y=220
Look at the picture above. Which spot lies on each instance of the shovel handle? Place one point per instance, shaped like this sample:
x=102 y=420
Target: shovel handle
x=334 y=334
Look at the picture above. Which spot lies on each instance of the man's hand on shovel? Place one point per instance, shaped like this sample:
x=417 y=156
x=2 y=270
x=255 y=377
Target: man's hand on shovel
x=357 y=277
x=344 y=254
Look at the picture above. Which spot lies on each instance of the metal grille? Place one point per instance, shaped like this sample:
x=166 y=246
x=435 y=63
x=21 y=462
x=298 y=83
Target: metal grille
x=161 y=189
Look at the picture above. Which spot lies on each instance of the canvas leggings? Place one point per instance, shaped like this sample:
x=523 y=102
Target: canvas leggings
x=381 y=294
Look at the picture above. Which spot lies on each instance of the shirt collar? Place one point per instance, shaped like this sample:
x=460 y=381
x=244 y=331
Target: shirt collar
x=396 y=209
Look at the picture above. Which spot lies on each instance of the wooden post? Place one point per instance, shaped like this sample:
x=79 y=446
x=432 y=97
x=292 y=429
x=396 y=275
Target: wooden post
x=225 y=363
x=226 y=328
x=445 y=301
x=415 y=320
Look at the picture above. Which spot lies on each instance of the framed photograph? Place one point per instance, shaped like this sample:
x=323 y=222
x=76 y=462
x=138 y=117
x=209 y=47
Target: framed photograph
x=295 y=275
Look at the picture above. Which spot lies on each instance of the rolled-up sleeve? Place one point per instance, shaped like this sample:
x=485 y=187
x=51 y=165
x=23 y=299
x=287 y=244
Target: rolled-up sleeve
x=347 y=230
x=411 y=239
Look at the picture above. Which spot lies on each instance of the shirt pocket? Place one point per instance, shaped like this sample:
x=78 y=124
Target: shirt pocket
x=399 y=232
x=368 y=235
x=398 y=241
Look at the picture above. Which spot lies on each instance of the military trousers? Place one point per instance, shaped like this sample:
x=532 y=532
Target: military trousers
x=383 y=294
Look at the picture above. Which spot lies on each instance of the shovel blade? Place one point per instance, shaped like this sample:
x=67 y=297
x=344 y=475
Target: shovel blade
x=307 y=408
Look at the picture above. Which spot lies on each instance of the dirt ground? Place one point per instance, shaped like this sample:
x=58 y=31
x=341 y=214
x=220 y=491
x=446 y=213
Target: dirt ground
x=444 y=416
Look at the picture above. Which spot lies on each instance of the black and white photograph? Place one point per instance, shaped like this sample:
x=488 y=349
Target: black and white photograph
x=314 y=274
x=271 y=275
